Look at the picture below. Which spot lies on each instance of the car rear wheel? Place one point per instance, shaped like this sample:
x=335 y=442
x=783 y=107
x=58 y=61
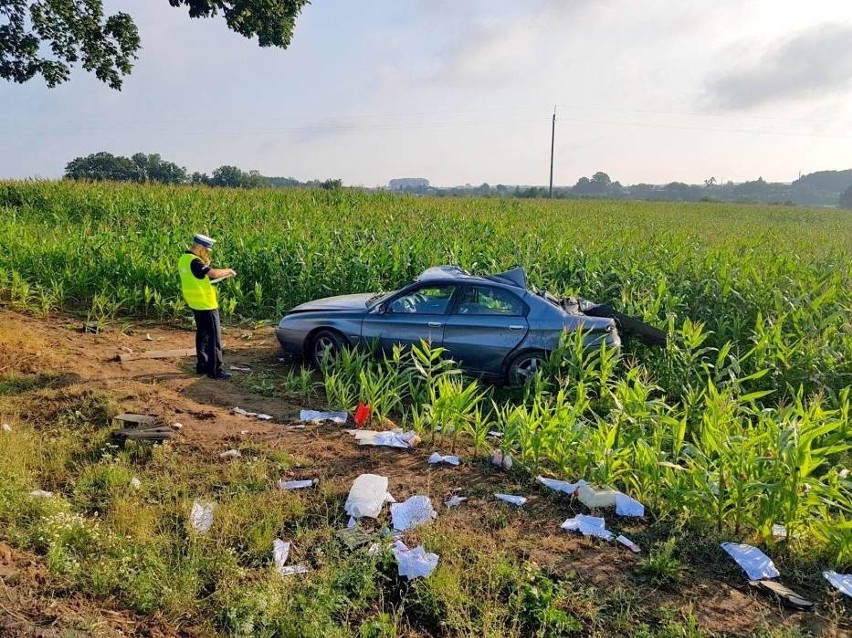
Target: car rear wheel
x=326 y=346
x=523 y=367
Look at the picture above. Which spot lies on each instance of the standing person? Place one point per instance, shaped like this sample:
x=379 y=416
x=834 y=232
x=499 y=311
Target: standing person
x=200 y=295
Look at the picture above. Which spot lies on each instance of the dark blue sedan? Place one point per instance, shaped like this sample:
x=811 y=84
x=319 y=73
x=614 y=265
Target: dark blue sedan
x=495 y=327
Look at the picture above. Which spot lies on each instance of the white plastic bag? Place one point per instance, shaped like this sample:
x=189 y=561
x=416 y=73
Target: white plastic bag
x=201 y=516
x=560 y=486
x=414 y=563
x=313 y=416
x=626 y=506
x=368 y=494
x=843 y=582
x=588 y=526
x=754 y=562
x=411 y=513
x=440 y=458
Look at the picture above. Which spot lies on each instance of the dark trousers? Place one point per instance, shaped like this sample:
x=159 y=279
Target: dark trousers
x=208 y=342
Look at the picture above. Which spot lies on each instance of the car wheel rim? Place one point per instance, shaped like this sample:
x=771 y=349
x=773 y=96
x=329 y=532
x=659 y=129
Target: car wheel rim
x=525 y=369
x=325 y=349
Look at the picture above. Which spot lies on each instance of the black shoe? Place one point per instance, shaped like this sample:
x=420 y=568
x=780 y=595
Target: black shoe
x=224 y=376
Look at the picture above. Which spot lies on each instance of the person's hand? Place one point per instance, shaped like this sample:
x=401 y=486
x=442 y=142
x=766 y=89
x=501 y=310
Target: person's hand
x=232 y=272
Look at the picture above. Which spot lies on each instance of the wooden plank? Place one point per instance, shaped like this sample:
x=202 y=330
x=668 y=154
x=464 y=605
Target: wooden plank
x=157 y=354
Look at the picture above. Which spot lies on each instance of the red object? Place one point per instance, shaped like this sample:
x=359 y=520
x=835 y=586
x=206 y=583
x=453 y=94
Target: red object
x=362 y=414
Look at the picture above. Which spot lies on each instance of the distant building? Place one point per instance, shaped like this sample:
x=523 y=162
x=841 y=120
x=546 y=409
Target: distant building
x=417 y=184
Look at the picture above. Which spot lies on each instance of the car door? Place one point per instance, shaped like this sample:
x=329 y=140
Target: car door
x=414 y=315
x=488 y=322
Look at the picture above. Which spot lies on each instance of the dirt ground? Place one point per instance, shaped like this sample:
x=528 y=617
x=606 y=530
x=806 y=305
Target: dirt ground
x=163 y=387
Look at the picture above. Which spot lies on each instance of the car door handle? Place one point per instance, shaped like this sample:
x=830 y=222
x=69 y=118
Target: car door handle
x=434 y=324
x=516 y=327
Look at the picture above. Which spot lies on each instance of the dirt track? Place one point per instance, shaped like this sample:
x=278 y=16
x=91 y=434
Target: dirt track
x=165 y=389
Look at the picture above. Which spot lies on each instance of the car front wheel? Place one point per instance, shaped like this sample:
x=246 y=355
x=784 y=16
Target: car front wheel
x=326 y=346
x=523 y=367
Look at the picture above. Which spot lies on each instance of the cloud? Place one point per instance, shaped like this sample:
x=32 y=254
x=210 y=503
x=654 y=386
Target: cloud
x=812 y=63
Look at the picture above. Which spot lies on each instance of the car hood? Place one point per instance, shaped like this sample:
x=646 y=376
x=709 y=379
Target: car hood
x=342 y=302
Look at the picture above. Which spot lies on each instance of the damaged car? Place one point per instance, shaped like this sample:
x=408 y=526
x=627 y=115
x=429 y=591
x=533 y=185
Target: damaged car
x=495 y=327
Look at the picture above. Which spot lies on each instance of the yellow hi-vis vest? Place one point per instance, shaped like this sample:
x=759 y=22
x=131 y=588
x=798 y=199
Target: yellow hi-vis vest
x=199 y=294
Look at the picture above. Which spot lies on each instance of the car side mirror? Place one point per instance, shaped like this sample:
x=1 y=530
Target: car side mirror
x=382 y=309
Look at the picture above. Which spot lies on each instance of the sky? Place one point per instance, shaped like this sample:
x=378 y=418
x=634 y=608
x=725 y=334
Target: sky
x=463 y=91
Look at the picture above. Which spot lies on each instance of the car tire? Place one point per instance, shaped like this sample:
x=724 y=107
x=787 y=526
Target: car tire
x=325 y=346
x=523 y=366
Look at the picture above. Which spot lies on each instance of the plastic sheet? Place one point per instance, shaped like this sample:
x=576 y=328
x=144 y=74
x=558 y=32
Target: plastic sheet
x=843 y=582
x=411 y=513
x=201 y=516
x=455 y=501
x=439 y=458
x=754 y=562
x=588 y=526
x=368 y=494
x=512 y=499
x=560 y=486
x=280 y=553
x=626 y=506
x=295 y=485
x=414 y=563
x=313 y=416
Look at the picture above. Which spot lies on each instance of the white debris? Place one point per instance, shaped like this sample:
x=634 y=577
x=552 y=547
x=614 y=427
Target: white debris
x=495 y=433
x=201 y=516
x=388 y=438
x=626 y=506
x=352 y=522
x=148 y=337
x=241 y=368
x=374 y=549
x=296 y=485
x=41 y=494
x=7 y=427
x=240 y=411
x=502 y=460
x=512 y=499
x=593 y=497
x=754 y=562
x=244 y=432
x=411 y=513
x=439 y=458
x=177 y=426
x=560 y=486
x=844 y=473
x=135 y=483
x=588 y=526
x=629 y=544
x=312 y=416
x=779 y=532
x=843 y=582
x=264 y=417
x=280 y=553
x=231 y=454
x=368 y=494
x=454 y=501
x=414 y=563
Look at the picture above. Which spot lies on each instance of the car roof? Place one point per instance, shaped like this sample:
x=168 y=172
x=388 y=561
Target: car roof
x=515 y=278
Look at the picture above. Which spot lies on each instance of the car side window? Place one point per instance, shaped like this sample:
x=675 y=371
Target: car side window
x=429 y=300
x=484 y=300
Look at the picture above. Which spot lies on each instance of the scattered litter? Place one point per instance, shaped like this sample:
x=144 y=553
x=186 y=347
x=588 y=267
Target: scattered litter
x=280 y=553
x=411 y=513
x=592 y=497
x=512 y=499
x=626 y=506
x=300 y=426
x=244 y=432
x=135 y=483
x=362 y=414
x=374 y=550
x=240 y=368
x=231 y=454
x=495 y=433
x=414 y=563
x=588 y=526
x=148 y=337
x=240 y=411
x=843 y=582
x=296 y=485
x=779 y=532
x=41 y=494
x=387 y=438
x=368 y=494
x=843 y=473
x=783 y=593
x=353 y=537
x=629 y=544
x=177 y=426
x=455 y=501
x=502 y=460
x=312 y=416
x=126 y=349
x=7 y=427
x=560 y=486
x=753 y=561
x=201 y=517
x=264 y=417
x=439 y=458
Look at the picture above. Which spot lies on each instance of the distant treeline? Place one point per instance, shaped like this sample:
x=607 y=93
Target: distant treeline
x=824 y=188
x=153 y=168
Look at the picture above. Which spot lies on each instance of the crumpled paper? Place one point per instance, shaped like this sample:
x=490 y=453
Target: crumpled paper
x=512 y=499
x=454 y=501
x=754 y=562
x=560 y=486
x=280 y=553
x=414 y=563
x=588 y=526
x=201 y=516
x=440 y=458
x=411 y=513
x=313 y=416
x=387 y=438
x=368 y=494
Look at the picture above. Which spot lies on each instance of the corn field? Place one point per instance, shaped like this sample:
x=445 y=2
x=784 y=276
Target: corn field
x=741 y=423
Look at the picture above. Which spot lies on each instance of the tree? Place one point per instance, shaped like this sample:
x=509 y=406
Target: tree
x=230 y=176
x=152 y=168
x=102 y=166
x=710 y=183
x=601 y=182
x=846 y=198
x=48 y=37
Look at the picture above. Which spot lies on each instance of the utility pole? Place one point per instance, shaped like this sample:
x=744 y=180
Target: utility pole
x=552 y=140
